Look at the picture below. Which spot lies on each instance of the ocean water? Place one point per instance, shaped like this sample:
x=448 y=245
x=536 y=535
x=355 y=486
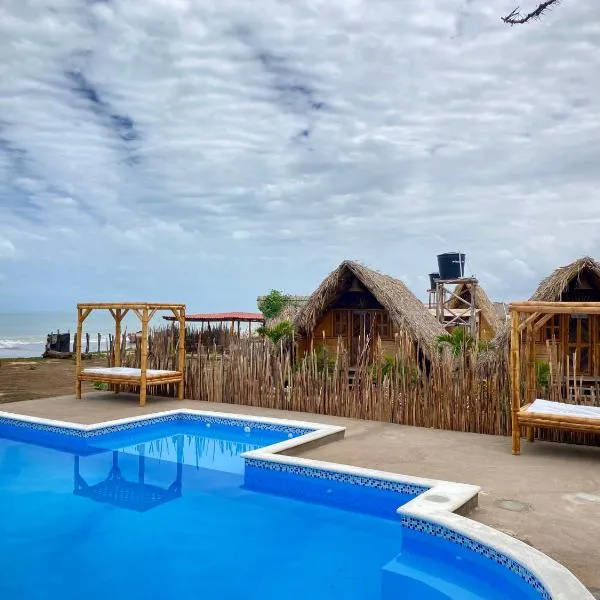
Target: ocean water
x=23 y=335
x=176 y=517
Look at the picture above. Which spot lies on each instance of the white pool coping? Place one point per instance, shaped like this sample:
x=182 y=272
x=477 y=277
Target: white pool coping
x=437 y=505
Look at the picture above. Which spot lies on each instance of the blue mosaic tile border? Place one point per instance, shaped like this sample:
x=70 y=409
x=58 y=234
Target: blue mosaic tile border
x=439 y=531
x=361 y=480
x=263 y=426
x=292 y=431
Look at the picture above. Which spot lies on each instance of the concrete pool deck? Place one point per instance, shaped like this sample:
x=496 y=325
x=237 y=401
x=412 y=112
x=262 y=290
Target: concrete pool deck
x=548 y=497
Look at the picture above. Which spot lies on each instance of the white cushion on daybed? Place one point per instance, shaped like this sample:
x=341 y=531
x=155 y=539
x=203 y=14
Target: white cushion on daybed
x=126 y=372
x=568 y=410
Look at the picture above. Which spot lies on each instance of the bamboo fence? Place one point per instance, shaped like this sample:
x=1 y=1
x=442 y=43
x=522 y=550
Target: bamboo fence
x=470 y=393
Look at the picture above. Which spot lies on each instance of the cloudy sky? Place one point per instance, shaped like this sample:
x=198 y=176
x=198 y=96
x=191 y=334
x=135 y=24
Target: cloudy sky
x=206 y=151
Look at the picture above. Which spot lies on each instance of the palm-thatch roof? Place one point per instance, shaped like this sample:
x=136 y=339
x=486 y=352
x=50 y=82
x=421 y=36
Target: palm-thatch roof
x=405 y=310
x=551 y=288
x=501 y=309
x=289 y=312
x=482 y=302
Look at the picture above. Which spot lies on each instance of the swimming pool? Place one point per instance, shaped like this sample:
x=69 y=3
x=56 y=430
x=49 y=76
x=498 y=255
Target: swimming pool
x=197 y=505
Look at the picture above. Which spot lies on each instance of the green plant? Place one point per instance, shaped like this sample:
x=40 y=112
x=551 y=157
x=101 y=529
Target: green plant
x=100 y=386
x=458 y=341
x=262 y=330
x=323 y=360
x=284 y=330
x=542 y=373
x=392 y=366
x=273 y=303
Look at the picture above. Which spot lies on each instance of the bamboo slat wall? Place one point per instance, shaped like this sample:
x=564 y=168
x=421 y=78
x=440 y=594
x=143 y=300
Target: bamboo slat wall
x=469 y=394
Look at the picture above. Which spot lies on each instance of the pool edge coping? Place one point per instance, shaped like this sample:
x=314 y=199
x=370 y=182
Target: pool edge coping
x=559 y=581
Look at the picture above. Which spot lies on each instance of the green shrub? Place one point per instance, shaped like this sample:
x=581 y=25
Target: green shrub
x=284 y=330
x=100 y=386
x=542 y=373
x=273 y=303
x=324 y=362
x=458 y=341
x=391 y=366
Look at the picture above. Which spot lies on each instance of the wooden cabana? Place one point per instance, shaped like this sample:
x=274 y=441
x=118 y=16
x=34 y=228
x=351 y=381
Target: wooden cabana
x=354 y=305
x=527 y=318
x=233 y=319
x=118 y=375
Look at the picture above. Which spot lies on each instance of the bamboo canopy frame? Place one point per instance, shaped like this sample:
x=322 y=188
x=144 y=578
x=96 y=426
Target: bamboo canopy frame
x=529 y=317
x=116 y=375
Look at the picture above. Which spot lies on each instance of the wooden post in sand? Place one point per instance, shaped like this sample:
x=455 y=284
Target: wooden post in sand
x=181 y=353
x=144 y=356
x=515 y=371
x=78 y=354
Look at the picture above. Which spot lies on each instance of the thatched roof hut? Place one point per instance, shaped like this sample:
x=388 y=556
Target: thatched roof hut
x=562 y=285
x=501 y=309
x=559 y=283
x=405 y=310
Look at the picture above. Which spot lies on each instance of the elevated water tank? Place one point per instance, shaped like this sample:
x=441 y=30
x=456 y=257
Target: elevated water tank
x=433 y=277
x=451 y=265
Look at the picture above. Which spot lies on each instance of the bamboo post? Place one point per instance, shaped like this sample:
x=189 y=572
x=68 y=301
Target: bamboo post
x=144 y=356
x=531 y=378
x=474 y=333
x=117 y=346
x=515 y=371
x=78 y=353
x=181 y=354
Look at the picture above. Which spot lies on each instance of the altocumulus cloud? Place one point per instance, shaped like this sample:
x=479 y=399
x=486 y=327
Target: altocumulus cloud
x=206 y=151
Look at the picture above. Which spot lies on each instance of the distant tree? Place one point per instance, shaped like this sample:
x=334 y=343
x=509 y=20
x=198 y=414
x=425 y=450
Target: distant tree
x=516 y=18
x=273 y=303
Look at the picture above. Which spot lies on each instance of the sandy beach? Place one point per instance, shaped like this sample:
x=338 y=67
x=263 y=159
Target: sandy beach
x=31 y=378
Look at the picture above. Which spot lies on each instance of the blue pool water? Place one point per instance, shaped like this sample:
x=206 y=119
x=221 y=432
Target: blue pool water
x=167 y=511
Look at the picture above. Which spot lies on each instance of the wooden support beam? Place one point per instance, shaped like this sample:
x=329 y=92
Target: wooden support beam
x=117 y=349
x=144 y=356
x=568 y=308
x=515 y=372
x=138 y=305
x=539 y=324
x=78 y=353
x=181 y=355
x=528 y=321
x=472 y=307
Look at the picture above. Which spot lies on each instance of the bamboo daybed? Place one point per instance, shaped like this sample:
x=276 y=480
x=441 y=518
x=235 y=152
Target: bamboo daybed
x=530 y=317
x=118 y=375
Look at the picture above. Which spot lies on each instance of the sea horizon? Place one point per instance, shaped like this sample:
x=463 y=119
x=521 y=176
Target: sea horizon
x=23 y=334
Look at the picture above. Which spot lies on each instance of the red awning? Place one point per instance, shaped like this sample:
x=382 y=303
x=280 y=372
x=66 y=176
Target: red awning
x=224 y=317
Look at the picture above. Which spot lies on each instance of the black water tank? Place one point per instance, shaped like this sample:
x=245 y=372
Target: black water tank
x=451 y=265
x=433 y=277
